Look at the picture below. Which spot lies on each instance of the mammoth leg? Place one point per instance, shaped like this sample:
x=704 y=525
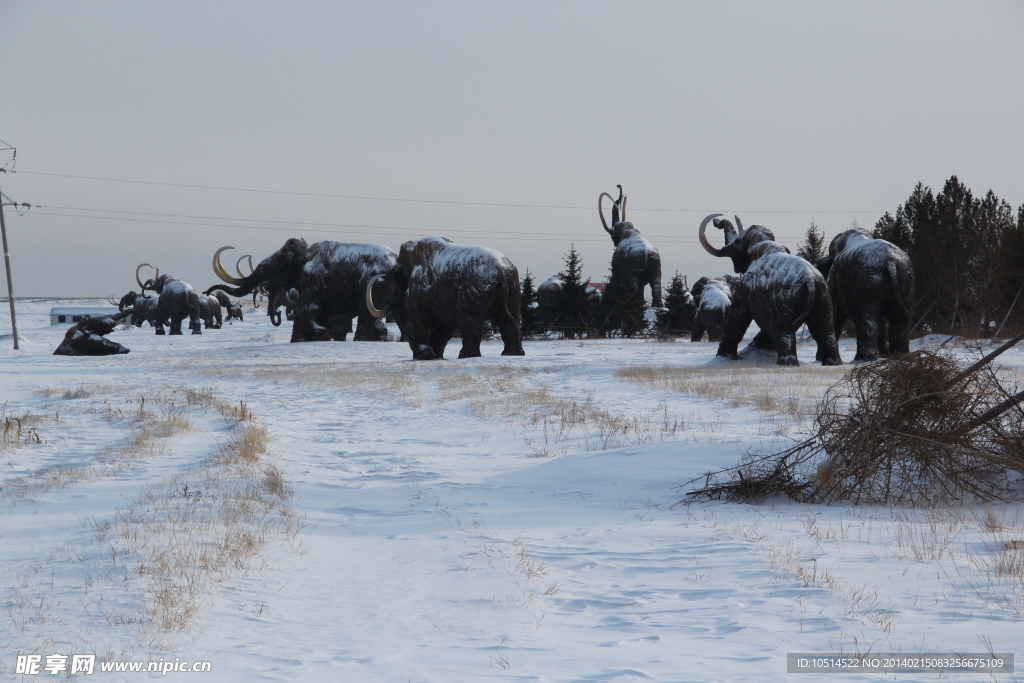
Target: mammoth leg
x=763 y=340
x=439 y=340
x=698 y=329
x=369 y=328
x=867 y=335
x=820 y=326
x=340 y=327
x=899 y=333
x=511 y=333
x=785 y=344
x=656 y=300
x=838 y=320
x=736 y=323
x=176 y=324
x=159 y=318
x=883 y=336
x=472 y=333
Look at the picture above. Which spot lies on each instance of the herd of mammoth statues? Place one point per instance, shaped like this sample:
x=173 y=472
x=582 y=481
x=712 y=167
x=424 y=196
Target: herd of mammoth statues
x=435 y=289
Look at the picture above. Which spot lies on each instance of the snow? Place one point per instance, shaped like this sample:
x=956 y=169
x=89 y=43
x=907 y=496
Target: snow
x=633 y=244
x=460 y=258
x=435 y=545
x=716 y=295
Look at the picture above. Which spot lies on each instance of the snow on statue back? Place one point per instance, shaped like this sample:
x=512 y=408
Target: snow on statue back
x=872 y=284
x=438 y=287
x=85 y=338
x=778 y=290
x=714 y=299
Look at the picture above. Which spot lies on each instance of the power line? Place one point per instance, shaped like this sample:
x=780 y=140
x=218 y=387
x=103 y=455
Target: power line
x=504 y=235
x=415 y=201
x=384 y=229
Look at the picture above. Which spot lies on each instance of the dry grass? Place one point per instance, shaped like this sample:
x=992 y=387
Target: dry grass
x=18 y=430
x=186 y=535
x=149 y=420
x=787 y=391
x=554 y=423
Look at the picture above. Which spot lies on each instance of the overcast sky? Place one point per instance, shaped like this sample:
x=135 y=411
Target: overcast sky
x=783 y=112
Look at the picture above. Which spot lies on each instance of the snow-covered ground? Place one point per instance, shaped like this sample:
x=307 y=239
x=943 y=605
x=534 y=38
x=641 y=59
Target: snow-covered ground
x=462 y=520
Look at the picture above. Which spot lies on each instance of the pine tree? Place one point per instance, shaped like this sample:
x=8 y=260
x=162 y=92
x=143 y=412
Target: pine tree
x=677 y=316
x=813 y=248
x=621 y=310
x=573 y=308
x=530 y=323
x=966 y=253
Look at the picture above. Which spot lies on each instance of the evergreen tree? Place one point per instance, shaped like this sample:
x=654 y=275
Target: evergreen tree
x=572 y=312
x=967 y=254
x=622 y=309
x=813 y=248
x=530 y=323
x=677 y=316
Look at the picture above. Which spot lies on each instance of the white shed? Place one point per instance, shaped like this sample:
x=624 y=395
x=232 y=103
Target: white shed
x=72 y=314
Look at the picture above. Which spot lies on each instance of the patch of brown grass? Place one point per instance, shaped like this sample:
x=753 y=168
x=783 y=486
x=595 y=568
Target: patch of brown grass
x=789 y=391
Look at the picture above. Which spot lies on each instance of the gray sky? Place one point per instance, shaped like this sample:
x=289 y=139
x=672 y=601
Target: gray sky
x=785 y=112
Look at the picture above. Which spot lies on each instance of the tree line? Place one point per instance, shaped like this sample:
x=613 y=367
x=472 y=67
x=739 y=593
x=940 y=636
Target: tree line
x=967 y=253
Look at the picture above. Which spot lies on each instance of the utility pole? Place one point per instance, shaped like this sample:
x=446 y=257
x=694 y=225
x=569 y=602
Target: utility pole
x=7 y=264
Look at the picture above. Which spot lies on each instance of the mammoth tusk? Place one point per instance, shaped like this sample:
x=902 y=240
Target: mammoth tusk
x=374 y=311
x=238 y=265
x=292 y=296
x=220 y=271
x=110 y=300
x=704 y=239
x=600 y=209
x=739 y=223
x=624 y=209
x=138 y=279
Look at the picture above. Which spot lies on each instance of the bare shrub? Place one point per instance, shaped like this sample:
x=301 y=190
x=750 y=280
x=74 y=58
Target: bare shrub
x=918 y=429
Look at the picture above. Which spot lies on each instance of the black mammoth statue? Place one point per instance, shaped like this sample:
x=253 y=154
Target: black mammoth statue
x=713 y=299
x=142 y=308
x=86 y=337
x=176 y=300
x=872 y=284
x=233 y=310
x=209 y=311
x=437 y=288
x=778 y=290
x=325 y=281
x=632 y=252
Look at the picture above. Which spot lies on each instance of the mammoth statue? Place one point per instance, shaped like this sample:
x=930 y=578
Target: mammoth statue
x=438 y=287
x=325 y=281
x=86 y=337
x=209 y=311
x=274 y=298
x=632 y=252
x=176 y=300
x=233 y=310
x=779 y=291
x=142 y=308
x=872 y=284
x=713 y=299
